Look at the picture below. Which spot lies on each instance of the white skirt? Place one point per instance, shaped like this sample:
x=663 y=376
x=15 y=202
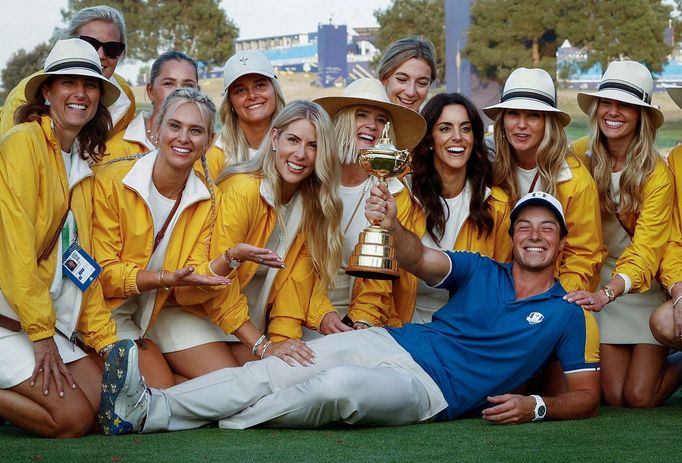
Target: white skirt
x=17 y=360
x=176 y=329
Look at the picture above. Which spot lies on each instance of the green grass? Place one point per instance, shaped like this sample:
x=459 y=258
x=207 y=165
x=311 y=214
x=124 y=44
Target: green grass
x=617 y=435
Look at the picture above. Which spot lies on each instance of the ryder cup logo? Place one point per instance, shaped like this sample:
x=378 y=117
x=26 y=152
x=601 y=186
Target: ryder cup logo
x=534 y=318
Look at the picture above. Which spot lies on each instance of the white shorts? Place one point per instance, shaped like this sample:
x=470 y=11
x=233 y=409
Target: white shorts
x=17 y=360
x=176 y=329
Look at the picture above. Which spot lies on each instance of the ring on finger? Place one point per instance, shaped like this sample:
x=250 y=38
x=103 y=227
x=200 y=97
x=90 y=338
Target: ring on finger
x=260 y=259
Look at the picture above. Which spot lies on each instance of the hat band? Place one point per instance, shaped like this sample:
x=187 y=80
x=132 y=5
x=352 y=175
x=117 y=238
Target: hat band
x=632 y=90
x=530 y=95
x=75 y=64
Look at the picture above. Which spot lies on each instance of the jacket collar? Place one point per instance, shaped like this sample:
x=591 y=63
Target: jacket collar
x=564 y=173
x=137 y=132
x=140 y=175
x=80 y=169
x=267 y=192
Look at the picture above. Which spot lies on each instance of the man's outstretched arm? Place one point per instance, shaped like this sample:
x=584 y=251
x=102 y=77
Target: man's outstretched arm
x=580 y=401
x=425 y=263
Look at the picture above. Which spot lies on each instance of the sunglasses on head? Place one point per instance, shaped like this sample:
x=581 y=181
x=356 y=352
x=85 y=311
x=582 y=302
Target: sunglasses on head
x=111 y=49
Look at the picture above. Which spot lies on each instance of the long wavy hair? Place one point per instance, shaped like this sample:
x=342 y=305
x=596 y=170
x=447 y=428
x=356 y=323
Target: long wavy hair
x=321 y=222
x=235 y=146
x=92 y=137
x=551 y=154
x=426 y=182
x=641 y=159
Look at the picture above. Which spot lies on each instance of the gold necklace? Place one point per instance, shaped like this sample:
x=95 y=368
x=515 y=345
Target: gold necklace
x=150 y=136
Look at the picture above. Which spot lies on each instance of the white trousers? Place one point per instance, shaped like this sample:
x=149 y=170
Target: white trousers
x=359 y=377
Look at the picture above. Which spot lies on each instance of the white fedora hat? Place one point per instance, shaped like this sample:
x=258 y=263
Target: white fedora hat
x=626 y=81
x=529 y=89
x=409 y=125
x=71 y=57
x=246 y=62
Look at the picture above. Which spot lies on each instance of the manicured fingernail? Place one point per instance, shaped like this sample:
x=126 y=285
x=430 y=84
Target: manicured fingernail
x=61 y=394
x=73 y=386
x=33 y=383
x=46 y=392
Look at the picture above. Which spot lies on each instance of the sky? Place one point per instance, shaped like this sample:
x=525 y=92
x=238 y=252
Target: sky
x=26 y=23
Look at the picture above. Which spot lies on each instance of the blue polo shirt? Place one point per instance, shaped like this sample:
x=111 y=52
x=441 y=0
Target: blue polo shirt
x=485 y=342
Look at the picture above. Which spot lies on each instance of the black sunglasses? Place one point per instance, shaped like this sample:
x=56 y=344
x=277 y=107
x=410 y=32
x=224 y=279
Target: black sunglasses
x=111 y=49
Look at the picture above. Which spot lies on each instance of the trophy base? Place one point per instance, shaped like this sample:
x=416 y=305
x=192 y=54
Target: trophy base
x=374 y=256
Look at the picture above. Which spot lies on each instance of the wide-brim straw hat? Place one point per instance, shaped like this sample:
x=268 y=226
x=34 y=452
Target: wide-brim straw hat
x=529 y=89
x=71 y=57
x=246 y=62
x=409 y=126
x=625 y=81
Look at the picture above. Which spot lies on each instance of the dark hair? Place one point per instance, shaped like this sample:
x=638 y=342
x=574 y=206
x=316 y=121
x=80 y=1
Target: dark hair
x=169 y=56
x=426 y=181
x=92 y=137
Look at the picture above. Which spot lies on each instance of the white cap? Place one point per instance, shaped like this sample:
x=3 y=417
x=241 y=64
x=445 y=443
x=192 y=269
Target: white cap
x=246 y=62
x=540 y=198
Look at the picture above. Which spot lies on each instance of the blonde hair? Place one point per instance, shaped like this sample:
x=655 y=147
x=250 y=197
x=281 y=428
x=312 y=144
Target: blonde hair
x=235 y=146
x=347 y=134
x=640 y=162
x=321 y=222
x=551 y=154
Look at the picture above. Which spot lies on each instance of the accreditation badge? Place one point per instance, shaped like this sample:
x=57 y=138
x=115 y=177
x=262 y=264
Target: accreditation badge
x=80 y=267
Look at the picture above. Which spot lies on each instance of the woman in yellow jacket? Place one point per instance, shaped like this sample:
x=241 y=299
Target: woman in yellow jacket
x=636 y=195
x=169 y=71
x=104 y=28
x=533 y=155
x=252 y=98
x=284 y=201
x=360 y=116
x=457 y=210
x=48 y=385
x=152 y=227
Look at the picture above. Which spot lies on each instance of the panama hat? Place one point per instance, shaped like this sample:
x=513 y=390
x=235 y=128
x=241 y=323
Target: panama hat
x=409 y=125
x=71 y=57
x=529 y=89
x=626 y=81
x=539 y=198
x=246 y=62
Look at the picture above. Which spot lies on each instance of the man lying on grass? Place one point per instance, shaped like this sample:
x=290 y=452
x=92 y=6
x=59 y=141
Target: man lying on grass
x=501 y=325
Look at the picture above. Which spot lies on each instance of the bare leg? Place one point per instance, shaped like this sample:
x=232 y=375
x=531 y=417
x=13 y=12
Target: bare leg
x=242 y=353
x=663 y=326
x=615 y=359
x=199 y=360
x=648 y=382
x=153 y=366
x=50 y=415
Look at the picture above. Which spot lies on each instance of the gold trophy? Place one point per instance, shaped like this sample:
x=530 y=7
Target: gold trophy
x=374 y=254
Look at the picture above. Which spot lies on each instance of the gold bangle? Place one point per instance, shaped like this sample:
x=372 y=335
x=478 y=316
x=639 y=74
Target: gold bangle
x=163 y=285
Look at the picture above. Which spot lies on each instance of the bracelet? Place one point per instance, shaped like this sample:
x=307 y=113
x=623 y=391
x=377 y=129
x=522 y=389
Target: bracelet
x=163 y=285
x=105 y=350
x=369 y=325
x=260 y=341
x=670 y=290
x=677 y=300
x=265 y=347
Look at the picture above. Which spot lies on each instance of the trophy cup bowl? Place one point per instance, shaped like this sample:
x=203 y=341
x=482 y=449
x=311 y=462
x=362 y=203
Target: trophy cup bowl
x=374 y=255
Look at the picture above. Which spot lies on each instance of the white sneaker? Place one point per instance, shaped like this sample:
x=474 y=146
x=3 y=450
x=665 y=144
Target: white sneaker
x=124 y=399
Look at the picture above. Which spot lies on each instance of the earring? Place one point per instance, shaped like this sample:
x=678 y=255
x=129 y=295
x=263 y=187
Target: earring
x=47 y=102
x=430 y=148
x=504 y=136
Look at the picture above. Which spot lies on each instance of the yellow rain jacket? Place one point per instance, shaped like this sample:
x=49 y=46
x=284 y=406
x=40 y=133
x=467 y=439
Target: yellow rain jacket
x=132 y=140
x=246 y=217
x=16 y=98
x=123 y=235
x=34 y=191
x=671 y=264
x=496 y=245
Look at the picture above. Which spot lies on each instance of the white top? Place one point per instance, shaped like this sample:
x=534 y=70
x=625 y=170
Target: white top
x=430 y=299
x=524 y=178
x=616 y=237
x=120 y=107
x=351 y=196
x=160 y=207
x=137 y=131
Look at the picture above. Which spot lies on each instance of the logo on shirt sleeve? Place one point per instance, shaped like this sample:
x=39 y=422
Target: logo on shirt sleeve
x=534 y=318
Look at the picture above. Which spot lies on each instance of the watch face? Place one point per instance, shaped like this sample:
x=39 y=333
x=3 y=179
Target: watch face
x=541 y=411
x=234 y=264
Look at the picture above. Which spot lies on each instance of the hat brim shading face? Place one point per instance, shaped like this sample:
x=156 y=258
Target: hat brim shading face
x=529 y=105
x=409 y=126
x=71 y=57
x=245 y=63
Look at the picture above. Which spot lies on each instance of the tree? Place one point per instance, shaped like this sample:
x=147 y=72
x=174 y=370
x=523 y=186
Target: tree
x=404 y=18
x=619 y=29
x=507 y=34
x=199 y=28
x=21 y=64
